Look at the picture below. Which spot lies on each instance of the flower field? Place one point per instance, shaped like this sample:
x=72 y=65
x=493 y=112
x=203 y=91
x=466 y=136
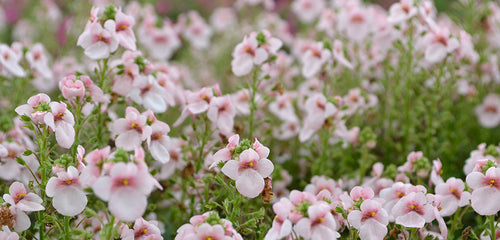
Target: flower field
x=249 y=119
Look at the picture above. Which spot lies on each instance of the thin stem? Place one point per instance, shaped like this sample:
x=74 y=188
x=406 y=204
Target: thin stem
x=253 y=106
x=67 y=233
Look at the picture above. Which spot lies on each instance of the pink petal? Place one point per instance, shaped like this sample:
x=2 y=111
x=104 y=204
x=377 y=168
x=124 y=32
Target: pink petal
x=354 y=218
x=372 y=230
x=102 y=187
x=474 y=180
x=484 y=200
x=65 y=134
x=411 y=219
x=250 y=183
x=265 y=167
x=230 y=169
x=127 y=204
x=69 y=201
x=128 y=140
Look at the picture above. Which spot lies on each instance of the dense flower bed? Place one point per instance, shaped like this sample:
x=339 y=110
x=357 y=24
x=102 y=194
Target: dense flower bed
x=257 y=120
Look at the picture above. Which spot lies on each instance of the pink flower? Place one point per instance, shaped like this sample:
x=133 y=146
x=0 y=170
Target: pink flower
x=402 y=11
x=438 y=44
x=124 y=33
x=314 y=58
x=126 y=189
x=453 y=196
x=67 y=192
x=147 y=92
x=225 y=154
x=361 y=193
x=21 y=199
x=10 y=61
x=61 y=121
x=308 y=10
x=143 y=230
x=195 y=30
x=488 y=113
x=317 y=111
x=6 y=234
x=38 y=60
x=371 y=221
x=36 y=108
x=486 y=187
x=249 y=172
x=158 y=141
x=72 y=87
x=282 y=226
x=246 y=54
x=221 y=112
x=10 y=169
x=319 y=224
x=413 y=210
x=196 y=103
x=162 y=42
x=97 y=41
x=131 y=130
x=338 y=54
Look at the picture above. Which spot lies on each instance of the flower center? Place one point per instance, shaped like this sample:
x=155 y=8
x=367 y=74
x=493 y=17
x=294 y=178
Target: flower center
x=135 y=126
x=493 y=182
x=156 y=136
x=68 y=182
x=124 y=182
x=20 y=196
x=209 y=238
x=400 y=194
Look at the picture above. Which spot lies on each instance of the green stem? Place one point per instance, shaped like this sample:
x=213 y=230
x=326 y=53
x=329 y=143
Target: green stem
x=492 y=226
x=109 y=234
x=67 y=233
x=253 y=106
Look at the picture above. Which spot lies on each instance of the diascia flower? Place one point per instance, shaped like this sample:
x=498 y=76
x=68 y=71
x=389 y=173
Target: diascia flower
x=249 y=172
x=488 y=113
x=413 y=210
x=131 y=130
x=61 y=121
x=486 y=188
x=126 y=189
x=21 y=199
x=67 y=192
x=254 y=50
x=371 y=221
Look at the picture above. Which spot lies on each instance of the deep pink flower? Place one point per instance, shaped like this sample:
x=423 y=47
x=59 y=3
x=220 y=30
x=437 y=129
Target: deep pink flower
x=249 y=172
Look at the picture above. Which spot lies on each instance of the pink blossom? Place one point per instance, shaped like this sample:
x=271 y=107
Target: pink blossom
x=131 y=130
x=72 y=87
x=195 y=30
x=438 y=44
x=402 y=11
x=453 y=196
x=485 y=188
x=6 y=234
x=196 y=103
x=283 y=108
x=158 y=141
x=67 y=192
x=146 y=91
x=318 y=109
x=222 y=18
x=338 y=54
x=249 y=172
x=126 y=189
x=97 y=41
x=371 y=220
x=93 y=162
x=225 y=154
x=308 y=10
x=246 y=54
x=160 y=42
x=10 y=61
x=361 y=193
x=36 y=108
x=10 y=169
x=61 y=121
x=176 y=162
x=281 y=226
x=124 y=33
x=488 y=113
x=37 y=59
x=142 y=230
x=314 y=58
x=413 y=210
x=319 y=224
x=21 y=199
x=221 y=113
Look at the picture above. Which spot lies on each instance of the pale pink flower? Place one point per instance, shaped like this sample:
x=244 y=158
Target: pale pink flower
x=223 y=18
x=225 y=154
x=249 y=172
x=97 y=41
x=361 y=193
x=488 y=113
x=283 y=108
x=158 y=141
x=436 y=173
x=6 y=234
x=126 y=189
x=161 y=43
x=10 y=169
x=147 y=92
x=485 y=188
x=394 y=193
x=326 y=21
x=318 y=109
x=241 y=101
x=32 y=109
x=319 y=224
x=93 y=162
x=402 y=11
x=221 y=113
x=10 y=61
x=195 y=30
x=124 y=33
x=37 y=58
x=131 y=130
x=61 y=121
x=308 y=10
x=21 y=199
x=338 y=54
x=67 y=192
x=371 y=220
x=281 y=226
x=413 y=210
x=71 y=87
x=356 y=22
x=453 y=196
x=196 y=103
x=438 y=44
x=314 y=58
x=22 y=221
x=176 y=162
x=247 y=54
x=142 y=230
